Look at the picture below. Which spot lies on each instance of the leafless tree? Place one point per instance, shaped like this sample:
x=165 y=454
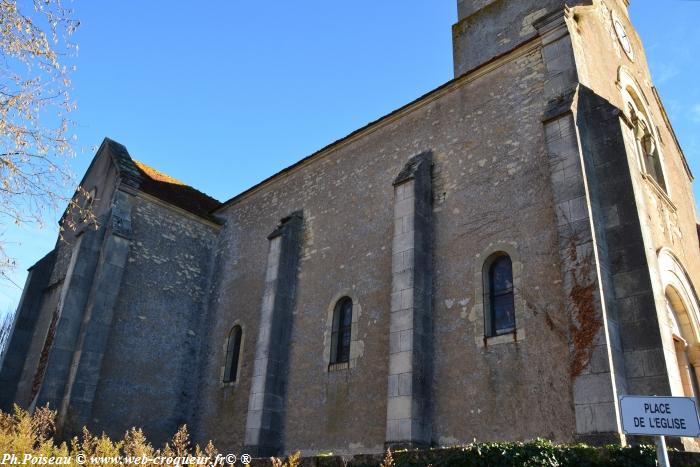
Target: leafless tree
x=35 y=107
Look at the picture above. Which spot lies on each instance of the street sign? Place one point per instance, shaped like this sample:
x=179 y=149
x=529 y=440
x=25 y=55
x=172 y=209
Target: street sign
x=659 y=416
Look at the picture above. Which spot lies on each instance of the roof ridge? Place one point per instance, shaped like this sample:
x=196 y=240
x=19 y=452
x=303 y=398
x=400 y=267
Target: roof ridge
x=160 y=176
x=152 y=181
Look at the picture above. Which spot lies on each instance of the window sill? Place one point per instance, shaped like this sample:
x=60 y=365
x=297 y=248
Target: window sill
x=659 y=191
x=512 y=337
x=338 y=366
x=228 y=384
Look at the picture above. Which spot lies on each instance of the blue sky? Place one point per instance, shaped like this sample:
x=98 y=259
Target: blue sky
x=225 y=95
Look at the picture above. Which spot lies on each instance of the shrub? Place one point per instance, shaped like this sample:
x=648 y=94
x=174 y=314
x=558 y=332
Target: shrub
x=537 y=453
x=292 y=461
x=23 y=433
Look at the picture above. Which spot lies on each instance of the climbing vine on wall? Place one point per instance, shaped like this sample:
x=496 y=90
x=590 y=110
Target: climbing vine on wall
x=585 y=322
x=579 y=322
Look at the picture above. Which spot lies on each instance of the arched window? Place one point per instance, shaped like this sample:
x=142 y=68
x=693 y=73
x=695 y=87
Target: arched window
x=233 y=352
x=498 y=295
x=646 y=138
x=342 y=327
x=647 y=148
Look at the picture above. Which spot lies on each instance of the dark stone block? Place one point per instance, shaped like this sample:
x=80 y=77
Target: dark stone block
x=656 y=385
x=631 y=282
x=642 y=334
x=629 y=257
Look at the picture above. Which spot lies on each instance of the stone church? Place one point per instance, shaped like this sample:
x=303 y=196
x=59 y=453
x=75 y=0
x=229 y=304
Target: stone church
x=500 y=259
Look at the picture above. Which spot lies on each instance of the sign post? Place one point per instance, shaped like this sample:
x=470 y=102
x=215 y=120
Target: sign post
x=660 y=417
x=661 y=452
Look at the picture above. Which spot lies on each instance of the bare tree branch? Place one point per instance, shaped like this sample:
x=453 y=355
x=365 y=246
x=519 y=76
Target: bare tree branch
x=35 y=106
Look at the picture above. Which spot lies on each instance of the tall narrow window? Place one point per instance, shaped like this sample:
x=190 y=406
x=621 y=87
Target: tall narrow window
x=647 y=149
x=342 y=327
x=500 y=312
x=233 y=351
x=652 y=160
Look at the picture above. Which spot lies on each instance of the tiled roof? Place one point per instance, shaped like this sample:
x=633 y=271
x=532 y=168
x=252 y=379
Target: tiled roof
x=155 y=183
x=175 y=192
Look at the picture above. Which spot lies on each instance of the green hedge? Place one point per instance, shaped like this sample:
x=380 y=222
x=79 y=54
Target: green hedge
x=540 y=453
x=23 y=433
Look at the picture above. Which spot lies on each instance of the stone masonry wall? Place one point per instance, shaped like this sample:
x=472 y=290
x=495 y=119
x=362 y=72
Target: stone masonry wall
x=654 y=222
x=492 y=193
x=27 y=324
x=489 y=28
x=153 y=344
x=101 y=179
x=599 y=58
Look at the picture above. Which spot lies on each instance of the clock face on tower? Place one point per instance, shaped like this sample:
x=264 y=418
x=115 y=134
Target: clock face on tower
x=623 y=38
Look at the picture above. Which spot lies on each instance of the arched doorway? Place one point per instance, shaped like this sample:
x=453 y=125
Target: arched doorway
x=685 y=346
x=681 y=332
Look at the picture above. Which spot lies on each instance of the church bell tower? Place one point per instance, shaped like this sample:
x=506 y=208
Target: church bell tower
x=609 y=148
x=487 y=29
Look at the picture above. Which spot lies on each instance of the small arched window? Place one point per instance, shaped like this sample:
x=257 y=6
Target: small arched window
x=498 y=296
x=233 y=352
x=342 y=328
x=646 y=146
